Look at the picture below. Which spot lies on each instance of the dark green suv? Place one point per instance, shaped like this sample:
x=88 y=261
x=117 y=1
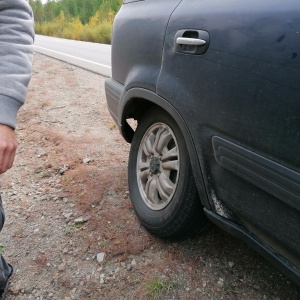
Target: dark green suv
x=215 y=89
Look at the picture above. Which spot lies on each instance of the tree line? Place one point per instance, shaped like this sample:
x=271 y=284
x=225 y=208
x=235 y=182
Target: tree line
x=86 y=20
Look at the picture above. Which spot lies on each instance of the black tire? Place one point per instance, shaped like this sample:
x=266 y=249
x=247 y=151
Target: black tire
x=161 y=182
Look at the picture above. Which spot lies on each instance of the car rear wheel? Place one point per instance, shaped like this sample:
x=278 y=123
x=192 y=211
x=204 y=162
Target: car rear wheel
x=161 y=183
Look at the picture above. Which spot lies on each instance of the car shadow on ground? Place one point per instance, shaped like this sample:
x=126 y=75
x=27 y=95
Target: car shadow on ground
x=214 y=255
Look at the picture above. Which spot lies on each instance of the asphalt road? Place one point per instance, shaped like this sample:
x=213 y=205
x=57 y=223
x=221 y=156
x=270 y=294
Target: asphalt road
x=90 y=56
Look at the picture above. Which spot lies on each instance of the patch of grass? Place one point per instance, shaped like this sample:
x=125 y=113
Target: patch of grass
x=45 y=174
x=119 y=225
x=159 y=287
x=104 y=243
x=67 y=179
x=42 y=172
x=2 y=249
x=73 y=229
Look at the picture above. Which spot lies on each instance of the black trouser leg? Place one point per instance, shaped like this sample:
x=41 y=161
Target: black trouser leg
x=4 y=267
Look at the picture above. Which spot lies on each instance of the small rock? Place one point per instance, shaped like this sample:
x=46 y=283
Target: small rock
x=28 y=290
x=231 y=264
x=148 y=262
x=73 y=292
x=81 y=220
x=133 y=263
x=61 y=267
x=68 y=215
x=100 y=257
x=221 y=282
x=63 y=169
x=15 y=289
x=86 y=160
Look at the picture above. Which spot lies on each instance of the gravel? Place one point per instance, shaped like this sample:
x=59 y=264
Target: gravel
x=70 y=230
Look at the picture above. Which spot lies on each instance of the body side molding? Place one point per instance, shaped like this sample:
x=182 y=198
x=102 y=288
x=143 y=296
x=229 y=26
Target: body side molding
x=276 y=179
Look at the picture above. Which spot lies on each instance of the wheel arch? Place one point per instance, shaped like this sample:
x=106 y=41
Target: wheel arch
x=135 y=102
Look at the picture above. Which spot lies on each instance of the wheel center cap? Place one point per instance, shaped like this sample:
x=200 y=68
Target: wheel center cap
x=154 y=165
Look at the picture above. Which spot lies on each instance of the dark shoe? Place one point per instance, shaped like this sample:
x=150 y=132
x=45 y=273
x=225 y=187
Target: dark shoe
x=3 y=291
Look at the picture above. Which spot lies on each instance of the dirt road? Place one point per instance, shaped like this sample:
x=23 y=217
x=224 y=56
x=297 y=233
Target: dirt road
x=70 y=230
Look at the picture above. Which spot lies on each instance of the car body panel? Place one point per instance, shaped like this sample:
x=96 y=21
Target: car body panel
x=237 y=103
x=141 y=52
x=246 y=90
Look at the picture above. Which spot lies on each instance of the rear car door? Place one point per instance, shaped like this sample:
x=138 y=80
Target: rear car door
x=231 y=69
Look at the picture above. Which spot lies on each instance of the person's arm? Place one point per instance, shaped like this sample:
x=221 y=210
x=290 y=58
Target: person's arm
x=8 y=147
x=16 y=51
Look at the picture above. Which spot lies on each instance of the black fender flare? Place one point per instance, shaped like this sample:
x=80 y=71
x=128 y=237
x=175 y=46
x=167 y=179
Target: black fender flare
x=134 y=94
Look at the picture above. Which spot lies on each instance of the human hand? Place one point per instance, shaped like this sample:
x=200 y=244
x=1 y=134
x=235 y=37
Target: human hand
x=8 y=147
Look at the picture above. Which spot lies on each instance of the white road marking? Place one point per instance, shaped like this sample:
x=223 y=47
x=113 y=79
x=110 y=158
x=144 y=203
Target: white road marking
x=89 y=61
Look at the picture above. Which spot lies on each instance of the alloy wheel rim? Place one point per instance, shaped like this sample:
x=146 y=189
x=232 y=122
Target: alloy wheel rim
x=158 y=166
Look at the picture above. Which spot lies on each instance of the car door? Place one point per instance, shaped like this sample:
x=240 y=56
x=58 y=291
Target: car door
x=232 y=69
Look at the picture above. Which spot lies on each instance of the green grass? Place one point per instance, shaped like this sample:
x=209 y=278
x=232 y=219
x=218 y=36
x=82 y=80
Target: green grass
x=159 y=287
x=73 y=229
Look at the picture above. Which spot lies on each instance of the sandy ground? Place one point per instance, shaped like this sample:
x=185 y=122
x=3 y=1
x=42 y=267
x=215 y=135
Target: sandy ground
x=71 y=232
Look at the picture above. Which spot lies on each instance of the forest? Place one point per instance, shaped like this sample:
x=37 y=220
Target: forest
x=85 y=20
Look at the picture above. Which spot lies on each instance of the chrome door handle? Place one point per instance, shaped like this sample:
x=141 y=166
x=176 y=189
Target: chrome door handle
x=190 y=41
